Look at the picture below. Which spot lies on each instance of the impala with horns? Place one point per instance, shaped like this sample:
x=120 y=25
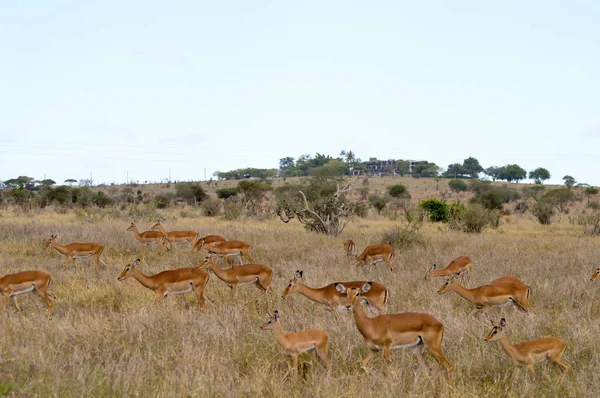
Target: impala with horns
x=257 y=274
x=295 y=344
x=230 y=248
x=527 y=353
x=596 y=274
x=207 y=240
x=416 y=331
x=375 y=254
x=148 y=238
x=488 y=296
x=166 y=283
x=377 y=297
x=350 y=249
x=12 y=285
x=74 y=251
x=188 y=237
x=461 y=265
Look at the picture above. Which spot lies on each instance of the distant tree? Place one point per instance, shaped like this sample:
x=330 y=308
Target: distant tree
x=403 y=167
x=513 y=172
x=534 y=191
x=225 y=193
x=253 y=194
x=560 y=198
x=398 y=191
x=425 y=169
x=569 y=181
x=70 y=181
x=590 y=191
x=378 y=203
x=287 y=163
x=472 y=167
x=539 y=175
x=455 y=170
x=494 y=172
x=47 y=182
x=25 y=182
x=457 y=186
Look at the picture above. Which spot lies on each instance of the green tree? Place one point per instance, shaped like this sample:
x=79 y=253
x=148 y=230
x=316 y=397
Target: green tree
x=403 y=167
x=455 y=170
x=398 y=191
x=539 y=175
x=589 y=192
x=287 y=163
x=47 y=182
x=70 y=181
x=472 y=167
x=495 y=173
x=436 y=210
x=254 y=194
x=378 y=203
x=457 y=186
x=569 y=181
x=513 y=172
x=226 y=193
x=425 y=169
x=560 y=198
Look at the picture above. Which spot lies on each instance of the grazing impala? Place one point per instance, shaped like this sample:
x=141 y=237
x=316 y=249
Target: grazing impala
x=12 y=285
x=384 y=332
x=230 y=248
x=527 y=353
x=188 y=237
x=596 y=274
x=259 y=274
x=74 y=251
x=494 y=295
x=461 y=265
x=149 y=238
x=175 y=281
x=207 y=240
x=350 y=248
x=376 y=297
x=295 y=344
x=375 y=254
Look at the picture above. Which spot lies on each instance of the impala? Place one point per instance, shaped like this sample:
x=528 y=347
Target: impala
x=596 y=274
x=12 y=285
x=259 y=274
x=74 y=251
x=176 y=281
x=493 y=295
x=207 y=240
x=384 y=332
x=149 y=238
x=188 y=237
x=295 y=344
x=376 y=297
x=230 y=248
x=527 y=353
x=350 y=248
x=375 y=254
x=461 y=265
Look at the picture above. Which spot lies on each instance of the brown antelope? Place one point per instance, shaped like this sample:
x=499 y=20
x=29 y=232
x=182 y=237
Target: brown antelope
x=596 y=275
x=188 y=237
x=207 y=240
x=176 y=281
x=376 y=297
x=494 y=295
x=12 y=285
x=259 y=274
x=375 y=254
x=295 y=344
x=384 y=332
x=148 y=238
x=527 y=353
x=230 y=248
x=350 y=249
x=74 y=251
x=461 y=265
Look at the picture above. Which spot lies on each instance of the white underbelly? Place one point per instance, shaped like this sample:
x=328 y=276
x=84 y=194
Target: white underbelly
x=171 y=292
x=29 y=289
x=249 y=282
x=83 y=255
x=312 y=347
x=416 y=343
x=508 y=303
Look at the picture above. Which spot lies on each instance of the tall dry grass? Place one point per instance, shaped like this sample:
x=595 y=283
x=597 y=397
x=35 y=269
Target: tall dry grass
x=105 y=341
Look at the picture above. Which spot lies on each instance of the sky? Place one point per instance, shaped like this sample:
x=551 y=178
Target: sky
x=141 y=89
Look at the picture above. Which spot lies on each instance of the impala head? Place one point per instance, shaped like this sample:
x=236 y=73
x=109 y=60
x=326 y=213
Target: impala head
x=497 y=328
x=428 y=273
x=596 y=274
x=156 y=226
x=449 y=282
x=273 y=319
x=292 y=286
x=353 y=293
x=199 y=245
x=126 y=273
x=51 y=239
x=131 y=227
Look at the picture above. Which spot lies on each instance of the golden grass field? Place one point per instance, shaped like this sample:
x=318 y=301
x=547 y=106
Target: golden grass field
x=104 y=339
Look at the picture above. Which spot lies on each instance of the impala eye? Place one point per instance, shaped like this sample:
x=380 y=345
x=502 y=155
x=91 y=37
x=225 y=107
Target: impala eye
x=290 y=285
x=495 y=331
x=127 y=269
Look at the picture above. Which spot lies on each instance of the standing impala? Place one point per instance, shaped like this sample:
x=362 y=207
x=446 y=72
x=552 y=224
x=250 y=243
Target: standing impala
x=188 y=237
x=175 y=281
x=207 y=240
x=527 y=353
x=230 y=248
x=12 y=285
x=384 y=332
x=74 y=251
x=596 y=275
x=376 y=297
x=350 y=249
x=295 y=344
x=149 y=238
x=461 y=265
x=494 y=295
x=375 y=254
x=259 y=274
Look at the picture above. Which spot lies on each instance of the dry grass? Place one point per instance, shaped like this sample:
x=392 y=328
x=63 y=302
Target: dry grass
x=104 y=340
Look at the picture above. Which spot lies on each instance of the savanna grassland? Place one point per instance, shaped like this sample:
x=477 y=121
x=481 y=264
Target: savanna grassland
x=104 y=340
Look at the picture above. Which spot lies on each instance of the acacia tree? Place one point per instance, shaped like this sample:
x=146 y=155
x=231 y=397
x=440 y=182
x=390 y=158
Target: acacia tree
x=590 y=191
x=569 y=181
x=539 y=175
x=472 y=167
x=513 y=172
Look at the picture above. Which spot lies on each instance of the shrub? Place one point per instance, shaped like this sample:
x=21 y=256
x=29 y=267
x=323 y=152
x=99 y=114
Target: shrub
x=543 y=210
x=161 y=202
x=82 y=196
x=407 y=233
x=436 y=210
x=192 y=193
x=398 y=191
x=102 y=200
x=211 y=207
x=474 y=218
x=232 y=210
x=378 y=203
x=594 y=205
x=457 y=186
x=521 y=207
x=225 y=193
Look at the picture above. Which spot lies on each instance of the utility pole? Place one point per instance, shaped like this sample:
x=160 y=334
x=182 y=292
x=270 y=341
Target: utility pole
x=169 y=175
x=127 y=177
x=205 y=174
x=91 y=180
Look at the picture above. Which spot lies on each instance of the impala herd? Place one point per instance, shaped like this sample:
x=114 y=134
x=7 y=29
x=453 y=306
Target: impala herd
x=384 y=332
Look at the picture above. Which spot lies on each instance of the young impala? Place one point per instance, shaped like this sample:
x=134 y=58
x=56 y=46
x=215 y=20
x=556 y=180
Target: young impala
x=384 y=332
x=149 y=238
x=350 y=249
x=295 y=344
x=493 y=295
x=461 y=265
x=376 y=297
x=596 y=275
x=176 y=281
x=74 y=251
x=527 y=353
x=230 y=248
x=375 y=254
x=259 y=275
x=12 y=285
x=188 y=237
x=207 y=240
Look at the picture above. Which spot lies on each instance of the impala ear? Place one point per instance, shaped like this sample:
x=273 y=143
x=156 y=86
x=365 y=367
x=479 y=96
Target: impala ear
x=340 y=288
x=136 y=262
x=433 y=267
x=276 y=315
x=502 y=323
x=492 y=322
x=55 y=236
x=298 y=275
x=366 y=287
x=269 y=315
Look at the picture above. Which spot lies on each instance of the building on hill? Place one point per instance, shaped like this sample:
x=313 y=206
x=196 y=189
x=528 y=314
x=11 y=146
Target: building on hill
x=375 y=166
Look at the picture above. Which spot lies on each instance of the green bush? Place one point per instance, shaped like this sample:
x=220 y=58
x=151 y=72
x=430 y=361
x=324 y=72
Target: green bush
x=474 y=218
x=436 y=210
x=225 y=193
x=232 y=210
x=211 y=207
x=161 y=202
x=457 y=185
x=102 y=200
x=398 y=191
x=543 y=210
x=191 y=192
x=378 y=203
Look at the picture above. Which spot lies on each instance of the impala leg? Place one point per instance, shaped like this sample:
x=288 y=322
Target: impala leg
x=295 y=363
x=44 y=295
x=515 y=374
x=321 y=352
x=475 y=310
x=247 y=255
x=436 y=352
x=233 y=290
x=158 y=298
x=531 y=372
x=14 y=301
x=390 y=265
x=418 y=353
x=68 y=261
x=199 y=292
x=225 y=260
x=5 y=302
x=367 y=358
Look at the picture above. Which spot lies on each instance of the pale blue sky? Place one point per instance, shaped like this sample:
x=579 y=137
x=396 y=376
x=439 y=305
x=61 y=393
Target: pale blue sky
x=148 y=86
